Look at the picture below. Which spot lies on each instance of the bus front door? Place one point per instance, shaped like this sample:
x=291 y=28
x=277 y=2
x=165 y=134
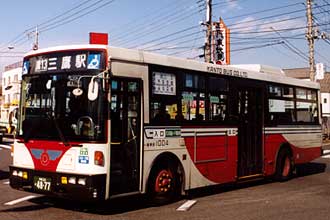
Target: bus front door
x=249 y=105
x=125 y=118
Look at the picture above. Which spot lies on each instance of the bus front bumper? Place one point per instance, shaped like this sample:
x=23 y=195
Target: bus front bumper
x=63 y=185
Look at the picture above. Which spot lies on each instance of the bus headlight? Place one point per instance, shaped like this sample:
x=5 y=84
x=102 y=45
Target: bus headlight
x=72 y=180
x=82 y=181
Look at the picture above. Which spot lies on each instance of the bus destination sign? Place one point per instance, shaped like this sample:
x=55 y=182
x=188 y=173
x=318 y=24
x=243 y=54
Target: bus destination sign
x=64 y=61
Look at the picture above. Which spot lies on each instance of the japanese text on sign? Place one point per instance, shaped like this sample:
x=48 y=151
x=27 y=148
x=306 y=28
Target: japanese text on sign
x=163 y=83
x=72 y=61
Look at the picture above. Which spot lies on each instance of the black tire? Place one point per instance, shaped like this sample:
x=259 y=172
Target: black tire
x=167 y=176
x=284 y=165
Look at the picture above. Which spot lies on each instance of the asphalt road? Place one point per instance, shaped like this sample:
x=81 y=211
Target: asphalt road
x=304 y=197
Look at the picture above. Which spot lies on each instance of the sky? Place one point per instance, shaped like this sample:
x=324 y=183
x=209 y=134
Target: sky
x=262 y=32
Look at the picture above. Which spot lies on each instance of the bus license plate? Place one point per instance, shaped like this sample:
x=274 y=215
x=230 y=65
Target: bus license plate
x=42 y=183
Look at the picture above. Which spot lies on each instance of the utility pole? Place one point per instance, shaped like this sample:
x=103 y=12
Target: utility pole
x=36 y=39
x=310 y=39
x=35 y=34
x=208 y=39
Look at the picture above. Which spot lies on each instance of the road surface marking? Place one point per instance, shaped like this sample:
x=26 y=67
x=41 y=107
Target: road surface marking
x=6 y=183
x=187 y=205
x=326 y=156
x=5 y=146
x=20 y=200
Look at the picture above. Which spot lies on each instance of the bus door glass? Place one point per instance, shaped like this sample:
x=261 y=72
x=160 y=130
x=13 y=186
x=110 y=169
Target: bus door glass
x=249 y=104
x=125 y=135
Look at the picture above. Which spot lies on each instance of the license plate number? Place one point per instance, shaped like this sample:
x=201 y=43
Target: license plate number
x=42 y=183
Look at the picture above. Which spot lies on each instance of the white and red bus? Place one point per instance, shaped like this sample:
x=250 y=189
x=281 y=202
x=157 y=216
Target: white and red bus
x=98 y=122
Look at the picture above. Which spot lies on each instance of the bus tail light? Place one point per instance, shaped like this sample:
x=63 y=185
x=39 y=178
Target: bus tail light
x=98 y=158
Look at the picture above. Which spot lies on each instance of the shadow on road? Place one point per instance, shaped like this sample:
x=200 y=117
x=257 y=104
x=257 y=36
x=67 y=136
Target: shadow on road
x=310 y=169
x=26 y=208
x=132 y=203
x=4 y=174
x=115 y=206
x=302 y=170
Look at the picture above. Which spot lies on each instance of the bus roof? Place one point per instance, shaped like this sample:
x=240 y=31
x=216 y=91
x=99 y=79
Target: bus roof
x=266 y=73
x=65 y=48
x=254 y=71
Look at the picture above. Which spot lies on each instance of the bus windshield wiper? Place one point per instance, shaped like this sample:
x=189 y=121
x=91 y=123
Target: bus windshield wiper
x=58 y=129
x=60 y=133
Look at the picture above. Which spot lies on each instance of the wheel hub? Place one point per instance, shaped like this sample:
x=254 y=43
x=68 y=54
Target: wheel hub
x=163 y=181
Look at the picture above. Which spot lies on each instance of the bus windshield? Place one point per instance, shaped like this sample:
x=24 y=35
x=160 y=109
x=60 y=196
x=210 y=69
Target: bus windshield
x=49 y=109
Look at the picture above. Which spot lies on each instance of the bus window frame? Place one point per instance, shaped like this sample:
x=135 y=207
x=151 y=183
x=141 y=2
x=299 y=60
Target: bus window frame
x=295 y=100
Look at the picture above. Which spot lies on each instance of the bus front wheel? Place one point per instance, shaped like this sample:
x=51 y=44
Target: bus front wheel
x=164 y=184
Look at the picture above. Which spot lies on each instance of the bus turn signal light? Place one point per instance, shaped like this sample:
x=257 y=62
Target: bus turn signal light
x=64 y=180
x=98 y=158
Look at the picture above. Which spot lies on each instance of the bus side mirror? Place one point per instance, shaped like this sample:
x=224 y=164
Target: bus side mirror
x=93 y=89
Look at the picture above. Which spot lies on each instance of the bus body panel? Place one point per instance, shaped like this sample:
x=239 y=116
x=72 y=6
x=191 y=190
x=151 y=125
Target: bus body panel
x=216 y=153
x=81 y=160
x=305 y=144
x=52 y=160
x=193 y=178
x=213 y=152
x=54 y=156
x=22 y=156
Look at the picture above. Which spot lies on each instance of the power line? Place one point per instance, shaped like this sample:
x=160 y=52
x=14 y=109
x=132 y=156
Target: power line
x=171 y=40
x=282 y=52
x=232 y=26
x=51 y=20
x=270 y=22
x=257 y=47
x=185 y=51
x=181 y=43
x=150 y=15
x=160 y=26
x=57 y=24
x=291 y=46
x=20 y=37
x=171 y=34
x=279 y=30
x=267 y=17
x=262 y=11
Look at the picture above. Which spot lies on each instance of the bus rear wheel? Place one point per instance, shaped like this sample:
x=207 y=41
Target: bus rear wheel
x=284 y=165
x=164 y=184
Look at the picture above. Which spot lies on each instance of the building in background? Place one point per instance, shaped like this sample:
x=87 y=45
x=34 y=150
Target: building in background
x=11 y=79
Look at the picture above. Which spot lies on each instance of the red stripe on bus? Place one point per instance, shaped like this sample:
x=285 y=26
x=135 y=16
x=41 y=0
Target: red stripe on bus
x=46 y=155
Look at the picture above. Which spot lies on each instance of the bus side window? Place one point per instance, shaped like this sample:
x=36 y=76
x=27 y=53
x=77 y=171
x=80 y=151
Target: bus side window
x=163 y=112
